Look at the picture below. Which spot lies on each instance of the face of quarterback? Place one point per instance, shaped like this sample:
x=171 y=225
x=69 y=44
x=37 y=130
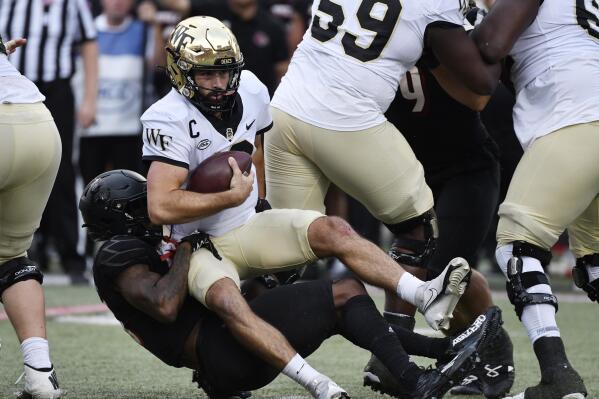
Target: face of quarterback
x=213 y=84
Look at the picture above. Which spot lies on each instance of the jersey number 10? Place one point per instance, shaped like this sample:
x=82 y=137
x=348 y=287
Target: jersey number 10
x=382 y=27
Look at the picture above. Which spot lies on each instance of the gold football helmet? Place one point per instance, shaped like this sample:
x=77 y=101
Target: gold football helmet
x=203 y=43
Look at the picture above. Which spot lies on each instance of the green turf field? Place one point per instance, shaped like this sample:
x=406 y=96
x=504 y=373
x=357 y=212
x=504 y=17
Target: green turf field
x=104 y=362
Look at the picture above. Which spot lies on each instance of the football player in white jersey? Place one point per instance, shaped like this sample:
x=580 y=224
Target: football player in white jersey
x=554 y=46
x=329 y=123
x=214 y=107
x=28 y=167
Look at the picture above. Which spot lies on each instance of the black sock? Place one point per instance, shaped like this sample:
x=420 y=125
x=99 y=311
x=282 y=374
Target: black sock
x=550 y=352
x=399 y=319
x=421 y=345
x=363 y=325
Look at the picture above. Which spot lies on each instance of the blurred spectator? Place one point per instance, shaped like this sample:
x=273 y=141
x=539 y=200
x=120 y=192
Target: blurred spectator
x=293 y=14
x=261 y=37
x=52 y=30
x=125 y=45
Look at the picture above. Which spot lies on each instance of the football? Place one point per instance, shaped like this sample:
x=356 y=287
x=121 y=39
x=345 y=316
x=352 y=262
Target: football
x=214 y=174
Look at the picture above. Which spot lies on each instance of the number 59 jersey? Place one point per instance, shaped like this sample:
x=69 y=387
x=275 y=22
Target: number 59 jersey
x=556 y=69
x=346 y=70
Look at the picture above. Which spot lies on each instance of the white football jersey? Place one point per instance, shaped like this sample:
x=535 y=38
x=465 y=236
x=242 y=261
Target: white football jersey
x=346 y=70
x=14 y=87
x=556 y=69
x=176 y=132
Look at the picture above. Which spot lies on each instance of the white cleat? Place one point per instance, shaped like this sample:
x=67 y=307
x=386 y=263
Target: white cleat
x=438 y=298
x=40 y=384
x=325 y=388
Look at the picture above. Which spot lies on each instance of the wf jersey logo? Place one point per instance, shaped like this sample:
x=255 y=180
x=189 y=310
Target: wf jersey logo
x=155 y=138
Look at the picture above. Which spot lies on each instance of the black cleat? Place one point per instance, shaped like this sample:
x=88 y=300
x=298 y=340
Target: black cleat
x=558 y=382
x=470 y=385
x=496 y=371
x=456 y=364
x=431 y=383
x=477 y=336
x=494 y=375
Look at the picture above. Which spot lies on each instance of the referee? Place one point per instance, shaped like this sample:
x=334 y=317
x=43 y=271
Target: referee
x=53 y=29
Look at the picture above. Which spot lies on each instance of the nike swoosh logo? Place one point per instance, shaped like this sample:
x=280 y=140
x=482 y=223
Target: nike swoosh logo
x=433 y=296
x=247 y=127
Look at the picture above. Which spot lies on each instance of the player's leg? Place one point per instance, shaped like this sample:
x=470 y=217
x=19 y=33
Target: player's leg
x=393 y=373
x=465 y=205
x=293 y=179
x=282 y=239
x=304 y=313
x=214 y=281
x=27 y=171
x=584 y=243
x=556 y=180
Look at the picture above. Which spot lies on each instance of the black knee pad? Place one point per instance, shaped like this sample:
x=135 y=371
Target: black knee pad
x=17 y=270
x=581 y=277
x=422 y=250
x=523 y=248
x=519 y=281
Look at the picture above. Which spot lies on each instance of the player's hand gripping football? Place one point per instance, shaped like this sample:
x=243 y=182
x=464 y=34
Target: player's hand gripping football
x=241 y=184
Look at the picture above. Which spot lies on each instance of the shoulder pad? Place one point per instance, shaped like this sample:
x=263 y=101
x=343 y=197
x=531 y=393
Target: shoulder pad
x=250 y=84
x=171 y=108
x=121 y=252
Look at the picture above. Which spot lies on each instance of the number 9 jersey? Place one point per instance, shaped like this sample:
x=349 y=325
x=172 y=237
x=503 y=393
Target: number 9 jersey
x=346 y=70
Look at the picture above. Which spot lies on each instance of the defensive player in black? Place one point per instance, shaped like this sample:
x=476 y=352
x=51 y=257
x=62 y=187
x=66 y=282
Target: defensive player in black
x=461 y=168
x=150 y=297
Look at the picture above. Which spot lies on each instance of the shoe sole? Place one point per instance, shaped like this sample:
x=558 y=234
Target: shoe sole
x=456 y=282
x=342 y=395
x=27 y=395
x=568 y=396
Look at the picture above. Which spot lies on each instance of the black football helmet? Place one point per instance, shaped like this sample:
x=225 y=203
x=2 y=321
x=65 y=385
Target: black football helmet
x=115 y=203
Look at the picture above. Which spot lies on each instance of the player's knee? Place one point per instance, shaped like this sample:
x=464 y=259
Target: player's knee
x=329 y=235
x=527 y=282
x=415 y=239
x=345 y=289
x=582 y=279
x=223 y=297
x=18 y=270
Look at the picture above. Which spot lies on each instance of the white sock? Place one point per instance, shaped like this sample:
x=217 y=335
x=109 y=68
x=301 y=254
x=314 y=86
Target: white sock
x=593 y=272
x=300 y=371
x=36 y=353
x=539 y=320
x=407 y=288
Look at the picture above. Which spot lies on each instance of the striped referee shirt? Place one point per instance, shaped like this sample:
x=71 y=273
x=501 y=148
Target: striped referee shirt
x=51 y=28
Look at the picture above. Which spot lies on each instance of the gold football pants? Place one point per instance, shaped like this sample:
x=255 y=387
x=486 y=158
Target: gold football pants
x=376 y=166
x=29 y=158
x=554 y=187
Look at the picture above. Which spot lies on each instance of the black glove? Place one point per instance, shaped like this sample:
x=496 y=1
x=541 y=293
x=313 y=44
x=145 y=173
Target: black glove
x=197 y=240
x=262 y=205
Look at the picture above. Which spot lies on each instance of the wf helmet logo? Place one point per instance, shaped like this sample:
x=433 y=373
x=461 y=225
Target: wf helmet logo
x=181 y=38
